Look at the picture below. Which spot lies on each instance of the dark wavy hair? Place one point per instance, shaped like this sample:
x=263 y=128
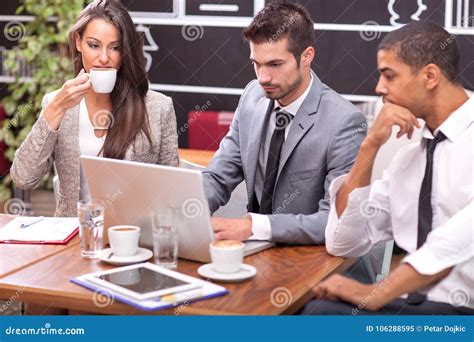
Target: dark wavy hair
x=130 y=117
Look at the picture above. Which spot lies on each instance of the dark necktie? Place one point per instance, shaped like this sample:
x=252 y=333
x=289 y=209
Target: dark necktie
x=283 y=119
x=425 y=209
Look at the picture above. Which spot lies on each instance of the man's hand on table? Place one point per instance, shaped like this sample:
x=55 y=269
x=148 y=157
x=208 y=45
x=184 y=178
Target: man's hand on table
x=338 y=287
x=232 y=229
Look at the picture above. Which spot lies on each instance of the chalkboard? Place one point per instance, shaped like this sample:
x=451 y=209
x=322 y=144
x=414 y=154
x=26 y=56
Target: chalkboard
x=195 y=51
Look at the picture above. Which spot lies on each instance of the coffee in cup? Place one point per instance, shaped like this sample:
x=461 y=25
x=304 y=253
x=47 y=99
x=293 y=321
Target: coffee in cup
x=103 y=79
x=227 y=255
x=124 y=240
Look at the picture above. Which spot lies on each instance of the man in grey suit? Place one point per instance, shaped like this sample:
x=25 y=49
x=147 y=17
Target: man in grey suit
x=290 y=137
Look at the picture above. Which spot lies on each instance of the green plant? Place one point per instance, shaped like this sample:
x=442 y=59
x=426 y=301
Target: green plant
x=42 y=46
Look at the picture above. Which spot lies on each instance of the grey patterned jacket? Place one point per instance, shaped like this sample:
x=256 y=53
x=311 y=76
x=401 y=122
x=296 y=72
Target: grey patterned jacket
x=43 y=147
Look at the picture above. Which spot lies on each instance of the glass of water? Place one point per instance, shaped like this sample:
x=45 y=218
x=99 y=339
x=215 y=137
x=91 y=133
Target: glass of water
x=165 y=239
x=91 y=228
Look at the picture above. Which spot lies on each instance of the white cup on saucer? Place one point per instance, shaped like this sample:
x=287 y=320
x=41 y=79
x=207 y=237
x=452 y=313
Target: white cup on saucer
x=124 y=240
x=227 y=255
x=103 y=79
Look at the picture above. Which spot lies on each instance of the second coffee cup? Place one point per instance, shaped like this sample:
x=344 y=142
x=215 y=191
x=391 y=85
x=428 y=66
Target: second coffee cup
x=227 y=255
x=124 y=240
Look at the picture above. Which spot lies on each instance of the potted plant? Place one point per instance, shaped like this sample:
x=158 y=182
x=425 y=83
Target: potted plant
x=42 y=56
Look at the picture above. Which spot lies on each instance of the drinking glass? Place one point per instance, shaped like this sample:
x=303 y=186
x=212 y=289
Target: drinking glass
x=91 y=228
x=165 y=239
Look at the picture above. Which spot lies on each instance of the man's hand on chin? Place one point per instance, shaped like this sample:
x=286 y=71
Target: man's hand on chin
x=232 y=229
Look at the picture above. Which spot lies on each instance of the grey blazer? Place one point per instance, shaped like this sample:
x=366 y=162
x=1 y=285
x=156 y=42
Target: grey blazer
x=322 y=144
x=43 y=147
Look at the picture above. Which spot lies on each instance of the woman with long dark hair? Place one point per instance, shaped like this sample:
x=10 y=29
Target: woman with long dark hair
x=131 y=122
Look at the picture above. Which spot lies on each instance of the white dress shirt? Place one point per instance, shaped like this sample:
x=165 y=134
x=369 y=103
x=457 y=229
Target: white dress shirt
x=389 y=210
x=89 y=144
x=261 y=227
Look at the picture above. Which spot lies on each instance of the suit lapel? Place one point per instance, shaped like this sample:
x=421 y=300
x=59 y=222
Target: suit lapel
x=259 y=121
x=302 y=122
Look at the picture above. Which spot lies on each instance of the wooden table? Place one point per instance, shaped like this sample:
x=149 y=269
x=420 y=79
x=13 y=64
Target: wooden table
x=14 y=257
x=40 y=275
x=200 y=157
x=285 y=276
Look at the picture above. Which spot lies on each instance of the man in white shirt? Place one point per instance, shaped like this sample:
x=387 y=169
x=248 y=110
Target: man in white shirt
x=290 y=137
x=425 y=198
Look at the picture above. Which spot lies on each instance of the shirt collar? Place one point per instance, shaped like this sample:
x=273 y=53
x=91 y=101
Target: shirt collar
x=293 y=107
x=456 y=123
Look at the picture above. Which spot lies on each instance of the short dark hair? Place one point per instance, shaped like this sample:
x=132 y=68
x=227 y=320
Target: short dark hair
x=281 y=19
x=418 y=44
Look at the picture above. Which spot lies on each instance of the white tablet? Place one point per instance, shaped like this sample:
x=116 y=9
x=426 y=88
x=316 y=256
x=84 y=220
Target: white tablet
x=143 y=281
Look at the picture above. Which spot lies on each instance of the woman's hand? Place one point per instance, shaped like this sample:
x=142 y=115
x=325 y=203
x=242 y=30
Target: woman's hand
x=71 y=93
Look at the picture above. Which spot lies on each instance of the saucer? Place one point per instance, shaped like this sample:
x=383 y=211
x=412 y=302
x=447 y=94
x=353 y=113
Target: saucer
x=245 y=272
x=143 y=254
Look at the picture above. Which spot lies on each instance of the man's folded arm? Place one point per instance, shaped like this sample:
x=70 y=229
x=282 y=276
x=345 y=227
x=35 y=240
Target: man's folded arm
x=364 y=222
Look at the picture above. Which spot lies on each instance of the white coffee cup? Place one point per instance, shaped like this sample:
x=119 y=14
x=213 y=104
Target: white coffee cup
x=227 y=255
x=103 y=79
x=124 y=240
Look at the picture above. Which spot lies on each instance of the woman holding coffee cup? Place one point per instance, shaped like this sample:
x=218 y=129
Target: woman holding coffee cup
x=106 y=110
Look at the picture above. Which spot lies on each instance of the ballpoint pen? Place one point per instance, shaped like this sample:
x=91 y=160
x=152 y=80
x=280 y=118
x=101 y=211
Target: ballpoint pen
x=31 y=222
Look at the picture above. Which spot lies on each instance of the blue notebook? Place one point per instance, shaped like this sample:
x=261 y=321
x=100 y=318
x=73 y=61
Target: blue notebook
x=149 y=287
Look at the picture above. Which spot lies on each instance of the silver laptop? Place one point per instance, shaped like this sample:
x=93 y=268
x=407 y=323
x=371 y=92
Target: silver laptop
x=133 y=191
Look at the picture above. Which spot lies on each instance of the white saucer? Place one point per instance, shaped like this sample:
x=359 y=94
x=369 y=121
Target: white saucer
x=246 y=272
x=143 y=254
